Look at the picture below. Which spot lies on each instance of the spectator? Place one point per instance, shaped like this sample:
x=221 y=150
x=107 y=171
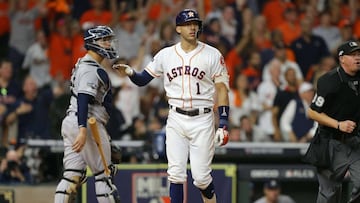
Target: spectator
x=277 y=39
x=128 y=98
x=294 y=123
x=129 y=32
x=212 y=33
x=234 y=134
x=60 y=48
x=4 y=28
x=272 y=194
x=308 y=48
x=266 y=93
x=36 y=59
x=22 y=32
x=98 y=14
x=13 y=170
x=32 y=111
x=273 y=10
x=234 y=59
x=346 y=31
x=228 y=24
x=326 y=64
x=290 y=28
x=310 y=12
x=281 y=55
x=243 y=101
x=329 y=32
x=78 y=49
x=252 y=70
x=116 y=125
x=250 y=132
x=260 y=34
x=282 y=98
x=167 y=35
x=10 y=91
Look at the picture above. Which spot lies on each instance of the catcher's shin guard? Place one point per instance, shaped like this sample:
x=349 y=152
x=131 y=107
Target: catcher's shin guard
x=106 y=191
x=67 y=188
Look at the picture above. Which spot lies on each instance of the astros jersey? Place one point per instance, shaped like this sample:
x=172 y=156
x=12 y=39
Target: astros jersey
x=188 y=77
x=89 y=78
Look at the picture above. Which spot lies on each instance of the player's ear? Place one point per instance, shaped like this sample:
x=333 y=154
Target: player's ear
x=178 y=29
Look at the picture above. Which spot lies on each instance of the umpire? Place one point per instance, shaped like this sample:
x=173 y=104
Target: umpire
x=336 y=107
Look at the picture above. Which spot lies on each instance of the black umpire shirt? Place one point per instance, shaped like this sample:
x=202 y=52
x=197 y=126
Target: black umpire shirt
x=338 y=96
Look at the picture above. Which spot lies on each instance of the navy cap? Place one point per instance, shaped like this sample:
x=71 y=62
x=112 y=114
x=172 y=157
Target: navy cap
x=272 y=184
x=348 y=47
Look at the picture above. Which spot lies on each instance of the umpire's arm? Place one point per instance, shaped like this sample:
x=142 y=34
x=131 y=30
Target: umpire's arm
x=322 y=118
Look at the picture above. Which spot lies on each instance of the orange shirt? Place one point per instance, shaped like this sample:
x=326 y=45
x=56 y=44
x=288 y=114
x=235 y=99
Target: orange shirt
x=78 y=49
x=4 y=19
x=60 y=56
x=155 y=11
x=104 y=18
x=232 y=61
x=290 y=55
x=356 y=28
x=262 y=42
x=290 y=32
x=273 y=11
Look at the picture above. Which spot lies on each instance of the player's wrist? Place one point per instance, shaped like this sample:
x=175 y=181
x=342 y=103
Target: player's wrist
x=223 y=116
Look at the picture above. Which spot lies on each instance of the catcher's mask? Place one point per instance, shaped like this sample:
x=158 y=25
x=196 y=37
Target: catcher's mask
x=100 y=39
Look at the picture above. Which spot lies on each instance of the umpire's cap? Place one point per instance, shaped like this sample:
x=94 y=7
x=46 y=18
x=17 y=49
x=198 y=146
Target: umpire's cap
x=348 y=47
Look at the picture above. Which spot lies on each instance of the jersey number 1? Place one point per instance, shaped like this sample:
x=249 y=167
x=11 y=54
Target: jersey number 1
x=197 y=88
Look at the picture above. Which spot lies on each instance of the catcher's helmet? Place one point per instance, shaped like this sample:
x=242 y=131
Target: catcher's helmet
x=92 y=37
x=188 y=15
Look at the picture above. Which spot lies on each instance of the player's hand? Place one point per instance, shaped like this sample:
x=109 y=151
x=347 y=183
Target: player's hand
x=80 y=140
x=221 y=136
x=123 y=68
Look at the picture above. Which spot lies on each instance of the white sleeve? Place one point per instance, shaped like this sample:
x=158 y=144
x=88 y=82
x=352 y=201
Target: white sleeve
x=266 y=73
x=297 y=69
x=312 y=131
x=27 y=60
x=154 y=67
x=221 y=74
x=288 y=116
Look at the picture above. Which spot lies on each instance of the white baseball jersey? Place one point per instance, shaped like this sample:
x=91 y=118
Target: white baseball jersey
x=188 y=77
x=189 y=84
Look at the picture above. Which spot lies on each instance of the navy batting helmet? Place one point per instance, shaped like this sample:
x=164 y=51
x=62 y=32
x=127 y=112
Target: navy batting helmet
x=92 y=37
x=188 y=15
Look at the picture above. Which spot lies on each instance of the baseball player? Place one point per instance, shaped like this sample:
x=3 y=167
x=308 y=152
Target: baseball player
x=91 y=97
x=194 y=74
x=335 y=107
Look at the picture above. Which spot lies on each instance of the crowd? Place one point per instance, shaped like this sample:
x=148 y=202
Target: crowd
x=274 y=51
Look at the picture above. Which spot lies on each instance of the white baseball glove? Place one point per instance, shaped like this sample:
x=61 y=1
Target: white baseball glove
x=128 y=70
x=221 y=136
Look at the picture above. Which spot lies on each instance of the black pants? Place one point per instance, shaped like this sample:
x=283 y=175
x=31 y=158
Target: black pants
x=345 y=161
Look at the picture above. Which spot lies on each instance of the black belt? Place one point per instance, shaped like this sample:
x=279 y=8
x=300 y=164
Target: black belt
x=193 y=112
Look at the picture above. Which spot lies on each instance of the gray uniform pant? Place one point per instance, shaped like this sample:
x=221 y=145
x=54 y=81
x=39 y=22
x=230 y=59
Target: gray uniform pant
x=345 y=161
